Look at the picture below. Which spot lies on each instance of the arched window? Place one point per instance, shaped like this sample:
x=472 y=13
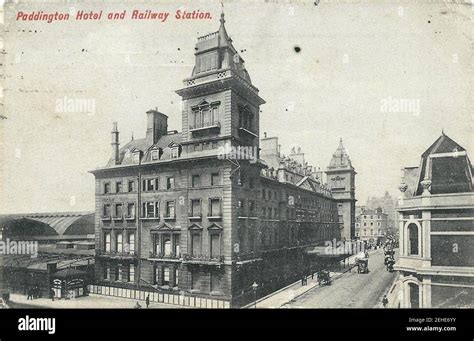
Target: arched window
x=414 y=295
x=413 y=239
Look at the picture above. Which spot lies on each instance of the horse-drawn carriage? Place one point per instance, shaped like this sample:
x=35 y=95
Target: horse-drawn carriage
x=324 y=277
x=362 y=265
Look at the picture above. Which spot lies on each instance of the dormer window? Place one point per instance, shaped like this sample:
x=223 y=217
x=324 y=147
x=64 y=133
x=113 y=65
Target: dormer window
x=136 y=157
x=175 y=150
x=174 y=153
x=156 y=154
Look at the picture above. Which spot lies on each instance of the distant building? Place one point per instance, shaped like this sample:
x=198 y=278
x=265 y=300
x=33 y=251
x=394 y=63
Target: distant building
x=388 y=205
x=436 y=218
x=371 y=226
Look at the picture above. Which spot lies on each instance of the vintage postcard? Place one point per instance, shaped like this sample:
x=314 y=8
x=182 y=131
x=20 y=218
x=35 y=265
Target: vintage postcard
x=236 y=154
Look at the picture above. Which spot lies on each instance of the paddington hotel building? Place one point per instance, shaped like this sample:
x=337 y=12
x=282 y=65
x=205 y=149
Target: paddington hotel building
x=184 y=224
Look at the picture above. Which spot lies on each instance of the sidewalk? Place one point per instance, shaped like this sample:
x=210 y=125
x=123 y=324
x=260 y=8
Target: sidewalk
x=285 y=295
x=91 y=301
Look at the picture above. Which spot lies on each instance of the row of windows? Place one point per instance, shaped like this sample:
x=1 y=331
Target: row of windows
x=371 y=224
x=370 y=233
x=153 y=184
x=151 y=209
x=119 y=246
x=122 y=273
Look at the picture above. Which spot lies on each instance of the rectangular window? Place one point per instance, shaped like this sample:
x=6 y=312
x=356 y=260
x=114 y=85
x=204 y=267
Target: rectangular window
x=196 y=180
x=154 y=155
x=170 y=183
x=251 y=208
x=240 y=208
x=215 y=179
x=195 y=208
x=118 y=211
x=166 y=275
x=176 y=277
x=131 y=273
x=106 y=188
x=106 y=272
x=106 y=211
x=215 y=282
x=131 y=210
x=177 y=250
x=119 y=273
x=136 y=158
x=151 y=209
x=196 y=244
x=156 y=277
x=131 y=186
x=131 y=242
x=170 y=212
x=118 y=187
x=107 y=241
x=215 y=245
x=195 y=281
x=197 y=147
x=151 y=184
x=214 y=207
x=156 y=244
x=119 y=242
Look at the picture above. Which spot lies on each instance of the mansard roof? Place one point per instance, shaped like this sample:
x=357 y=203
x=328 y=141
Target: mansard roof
x=228 y=57
x=165 y=143
x=446 y=164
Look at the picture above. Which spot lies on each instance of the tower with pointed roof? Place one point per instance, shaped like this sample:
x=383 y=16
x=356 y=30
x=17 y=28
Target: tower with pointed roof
x=220 y=104
x=341 y=181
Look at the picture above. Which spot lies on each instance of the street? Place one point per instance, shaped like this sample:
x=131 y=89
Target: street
x=350 y=290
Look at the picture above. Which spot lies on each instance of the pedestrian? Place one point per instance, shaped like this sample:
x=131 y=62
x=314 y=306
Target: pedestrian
x=138 y=306
x=147 y=301
x=385 y=301
x=51 y=293
x=30 y=296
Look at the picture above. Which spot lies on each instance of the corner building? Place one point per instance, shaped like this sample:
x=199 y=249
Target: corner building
x=183 y=222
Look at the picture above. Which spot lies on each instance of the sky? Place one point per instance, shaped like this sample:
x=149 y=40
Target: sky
x=385 y=76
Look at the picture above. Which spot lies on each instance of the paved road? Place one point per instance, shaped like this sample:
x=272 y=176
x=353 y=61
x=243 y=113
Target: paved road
x=351 y=290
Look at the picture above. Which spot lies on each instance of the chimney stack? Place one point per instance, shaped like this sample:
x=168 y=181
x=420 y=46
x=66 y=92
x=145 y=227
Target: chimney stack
x=156 y=127
x=115 y=143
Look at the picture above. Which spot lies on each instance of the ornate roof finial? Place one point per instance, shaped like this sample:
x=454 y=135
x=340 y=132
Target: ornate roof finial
x=442 y=131
x=222 y=13
x=132 y=135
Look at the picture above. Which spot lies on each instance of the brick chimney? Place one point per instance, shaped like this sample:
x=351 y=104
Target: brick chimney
x=156 y=127
x=115 y=143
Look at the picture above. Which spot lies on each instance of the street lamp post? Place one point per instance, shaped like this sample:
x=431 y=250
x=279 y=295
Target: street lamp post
x=255 y=287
